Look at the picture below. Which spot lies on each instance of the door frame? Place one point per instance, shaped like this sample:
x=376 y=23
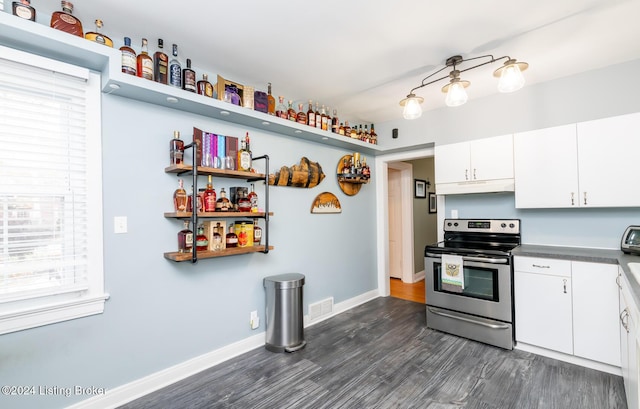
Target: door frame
x=406 y=206
x=382 y=212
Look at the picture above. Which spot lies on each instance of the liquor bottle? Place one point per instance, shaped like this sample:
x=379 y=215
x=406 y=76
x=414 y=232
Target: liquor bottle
x=347 y=129
x=244 y=155
x=373 y=136
x=217 y=239
x=271 y=101
x=223 y=204
x=129 y=58
x=202 y=242
x=23 y=9
x=188 y=78
x=359 y=133
x=209 y=197
x=243 y=235
x=346 y=168
x=185 y=239
x=204 y=86
x=160 y=64
x=180 y=198
x=318 y=117
x=291 y=113
x=98 y=37
x=323 y=119
x=281 y=109
x=145 y=63
x=190 y=202
x=301 y=116
x=341 y=129
x=257 y=233
x=244 y=204
x=64 y=20
x=311 y=116
x=175 y=69
x=253 y=198
x=354 y=132
x=231 y=239
x=176 y=149
x=367 y=135
x=366 y=172
x=335 y=123
x=329 y=119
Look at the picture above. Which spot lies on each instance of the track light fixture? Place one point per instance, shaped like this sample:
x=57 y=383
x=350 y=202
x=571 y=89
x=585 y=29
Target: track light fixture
x=510 y=75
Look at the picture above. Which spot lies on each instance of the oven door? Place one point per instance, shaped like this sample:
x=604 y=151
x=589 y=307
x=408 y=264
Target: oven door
x=487 y=287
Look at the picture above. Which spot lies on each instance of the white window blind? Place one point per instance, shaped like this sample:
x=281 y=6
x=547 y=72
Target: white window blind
x=44 y=180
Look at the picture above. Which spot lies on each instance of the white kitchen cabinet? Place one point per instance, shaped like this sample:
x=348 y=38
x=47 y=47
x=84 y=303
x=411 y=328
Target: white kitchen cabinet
x=543 y=303
x=629 y=344
x=471 y=166
x=595 y=312
x=546 y=167
x=589 y=164
x=608 y=156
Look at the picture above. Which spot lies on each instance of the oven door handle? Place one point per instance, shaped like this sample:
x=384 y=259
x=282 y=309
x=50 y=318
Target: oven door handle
x=478 y=259
x=440 y=312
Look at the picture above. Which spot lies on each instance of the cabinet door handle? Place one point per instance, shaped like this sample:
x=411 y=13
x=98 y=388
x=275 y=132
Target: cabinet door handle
x=585 y=197
x=624 y=319
x=474 y=174
x=466 y=174
x=564 y=285
x=539 y=266
x=618 y=281
x=572 y=199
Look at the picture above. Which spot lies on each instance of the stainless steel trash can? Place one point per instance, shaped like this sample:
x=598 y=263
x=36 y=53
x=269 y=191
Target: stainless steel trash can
x=285 y=331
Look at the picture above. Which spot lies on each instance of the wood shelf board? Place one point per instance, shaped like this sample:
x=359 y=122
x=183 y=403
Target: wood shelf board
x=176 y=256
x=215 y=215
x=224 y=173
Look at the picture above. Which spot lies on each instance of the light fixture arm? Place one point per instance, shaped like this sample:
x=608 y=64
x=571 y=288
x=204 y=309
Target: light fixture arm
x=452 y=62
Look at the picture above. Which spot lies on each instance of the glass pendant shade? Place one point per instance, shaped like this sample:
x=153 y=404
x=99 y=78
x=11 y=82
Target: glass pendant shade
x=511 y=78
x=456 y=95
x=412 y=108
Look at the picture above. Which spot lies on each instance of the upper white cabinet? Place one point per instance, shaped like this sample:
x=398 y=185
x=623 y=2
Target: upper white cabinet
x=484 y=165
x=589 y=164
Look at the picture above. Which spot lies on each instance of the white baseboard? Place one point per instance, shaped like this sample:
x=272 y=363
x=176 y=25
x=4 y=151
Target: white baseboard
x=121 y=395
x=572 y=359
x=418 y=276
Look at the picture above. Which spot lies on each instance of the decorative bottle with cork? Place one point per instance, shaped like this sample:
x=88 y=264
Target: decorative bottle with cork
x=231 y=239
x=97 y=36
x=185 y=239
x=23 y=9
x=129 y=58
x=202 y=242
x=223 y=204
x=64 y=20
x=209 y=198
x=176 y=149
x=160 y=64
x=145 y=62
x=257 y=233
x=271 y=101
x=180 y=198
x=253 y=199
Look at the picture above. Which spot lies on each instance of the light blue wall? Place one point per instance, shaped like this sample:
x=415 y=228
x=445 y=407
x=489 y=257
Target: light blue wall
x=162 y=313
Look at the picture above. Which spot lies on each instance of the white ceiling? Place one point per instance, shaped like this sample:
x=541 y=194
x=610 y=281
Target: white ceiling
x=363 y=56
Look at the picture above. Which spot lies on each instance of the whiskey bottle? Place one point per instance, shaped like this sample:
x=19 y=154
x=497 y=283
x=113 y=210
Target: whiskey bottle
x=301 y=116
x=367 y=135
x=347 y=129
x=373 y=136
x=129 y=58
x=217 y=239
x=202 y=242
x=204 y=86
x=244 y=155
x=23 y=9
x=341 y=129
x=176 y=149
x=188 y=78
x=64 y=20
x=323 y=119
x=354 y=132
x=209 y=197
x=271 y=101
x=253 y=199
x=318 y=117
x=160 y=64
x=223 y=204
x=185 y=239
x=257 y=233
x=291 y=113
x=335 y=123
x=244 y=204
x=180 y=198
x=175 y=69
x=281 y=109
x=97 y=37
x=231 y=239
x=190 y=202
x=329 y=119
x=144 y=62
x=311 y=116
x=366 y=172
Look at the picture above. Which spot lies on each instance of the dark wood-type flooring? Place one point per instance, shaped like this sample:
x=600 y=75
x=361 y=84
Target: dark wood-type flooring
x=381 y=355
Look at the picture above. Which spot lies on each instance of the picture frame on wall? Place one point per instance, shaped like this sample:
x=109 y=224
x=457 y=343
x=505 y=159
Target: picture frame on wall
x=433 y=203
x=419 y=188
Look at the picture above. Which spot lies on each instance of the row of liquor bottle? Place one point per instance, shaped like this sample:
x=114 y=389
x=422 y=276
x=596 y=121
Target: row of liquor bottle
x=214 y=151
x=240 y=200
x=355 y=166
x=216 y=236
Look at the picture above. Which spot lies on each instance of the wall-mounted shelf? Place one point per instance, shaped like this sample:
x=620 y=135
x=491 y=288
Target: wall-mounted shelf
x=224 y=173
x=215 y=215
x=176 y=256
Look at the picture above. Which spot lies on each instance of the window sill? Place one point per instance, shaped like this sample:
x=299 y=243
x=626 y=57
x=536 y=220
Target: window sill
x=49 y=314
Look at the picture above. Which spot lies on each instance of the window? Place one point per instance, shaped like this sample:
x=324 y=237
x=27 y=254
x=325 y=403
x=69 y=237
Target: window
x=50 y=192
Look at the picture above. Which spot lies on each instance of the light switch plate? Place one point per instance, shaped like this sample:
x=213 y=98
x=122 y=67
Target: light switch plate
x=120 y=224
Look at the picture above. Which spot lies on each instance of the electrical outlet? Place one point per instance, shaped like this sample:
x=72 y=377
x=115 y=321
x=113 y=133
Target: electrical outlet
x=454 y=214
x=254 y=320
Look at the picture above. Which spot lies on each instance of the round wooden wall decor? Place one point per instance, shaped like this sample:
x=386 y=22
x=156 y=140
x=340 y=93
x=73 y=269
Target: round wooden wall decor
x=349 y=184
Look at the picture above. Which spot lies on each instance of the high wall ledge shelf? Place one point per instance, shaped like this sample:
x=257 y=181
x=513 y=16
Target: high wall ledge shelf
x=42 y=40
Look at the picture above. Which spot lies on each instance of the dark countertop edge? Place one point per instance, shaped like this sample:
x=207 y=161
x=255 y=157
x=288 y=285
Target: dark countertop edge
x=589 y=255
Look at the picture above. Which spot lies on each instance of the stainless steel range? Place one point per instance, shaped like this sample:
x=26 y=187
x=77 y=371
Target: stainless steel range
x=472 y=295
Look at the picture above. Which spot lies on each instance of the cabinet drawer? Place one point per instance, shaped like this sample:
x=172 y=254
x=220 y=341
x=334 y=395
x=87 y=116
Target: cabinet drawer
x=561 y=268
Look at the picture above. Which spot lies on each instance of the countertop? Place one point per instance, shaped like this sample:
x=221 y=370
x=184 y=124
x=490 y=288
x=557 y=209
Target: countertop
x=603 y=256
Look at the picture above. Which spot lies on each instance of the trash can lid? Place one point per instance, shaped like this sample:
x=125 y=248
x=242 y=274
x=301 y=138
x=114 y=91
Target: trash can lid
x=282 y=281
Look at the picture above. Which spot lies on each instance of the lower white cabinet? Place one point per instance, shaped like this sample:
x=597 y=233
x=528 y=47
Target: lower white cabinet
x=629 y=345
x=568 y=306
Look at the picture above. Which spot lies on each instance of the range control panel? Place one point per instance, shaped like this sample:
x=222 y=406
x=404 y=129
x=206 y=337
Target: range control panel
x=510 y=226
